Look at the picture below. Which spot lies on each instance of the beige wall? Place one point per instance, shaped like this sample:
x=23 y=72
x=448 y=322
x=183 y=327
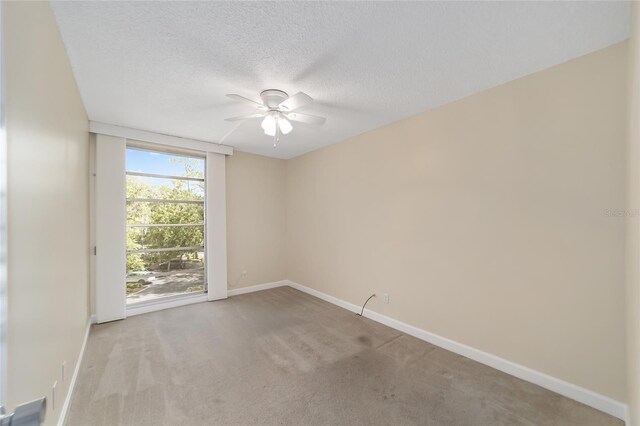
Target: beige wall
x=633 y=223
x=255 y=219
x=484 y=220
x=47 y=132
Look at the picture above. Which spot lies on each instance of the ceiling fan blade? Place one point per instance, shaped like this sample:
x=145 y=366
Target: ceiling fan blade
x=233 y=129
x=296 y=101
x=306 y=118
x=247 y=117
x=243 y=99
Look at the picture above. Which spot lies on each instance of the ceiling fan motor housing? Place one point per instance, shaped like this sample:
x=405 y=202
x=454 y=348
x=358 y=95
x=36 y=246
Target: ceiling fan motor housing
x=273 y=97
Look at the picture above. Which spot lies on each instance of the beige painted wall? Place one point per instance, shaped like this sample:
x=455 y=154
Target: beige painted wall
x=255 y=219
x=485 y=220
x=47 y=131
x=633 y=223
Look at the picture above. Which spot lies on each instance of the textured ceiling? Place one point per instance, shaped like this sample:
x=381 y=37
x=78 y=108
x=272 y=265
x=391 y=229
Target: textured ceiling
x=166 y=66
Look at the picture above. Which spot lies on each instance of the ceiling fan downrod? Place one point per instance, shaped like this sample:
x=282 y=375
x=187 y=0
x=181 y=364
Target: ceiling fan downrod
x=276 y=137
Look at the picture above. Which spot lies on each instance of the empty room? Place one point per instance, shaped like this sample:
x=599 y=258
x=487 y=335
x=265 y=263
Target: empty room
x=319 y=213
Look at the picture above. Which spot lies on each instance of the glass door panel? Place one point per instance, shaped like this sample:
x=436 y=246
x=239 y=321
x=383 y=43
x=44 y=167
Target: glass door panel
x=165 y=225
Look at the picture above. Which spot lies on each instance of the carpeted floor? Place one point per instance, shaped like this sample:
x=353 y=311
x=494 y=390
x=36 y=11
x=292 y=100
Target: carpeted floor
x=283 y=357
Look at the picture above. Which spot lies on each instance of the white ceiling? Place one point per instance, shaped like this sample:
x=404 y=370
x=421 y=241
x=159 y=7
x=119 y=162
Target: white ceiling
x=166 y=66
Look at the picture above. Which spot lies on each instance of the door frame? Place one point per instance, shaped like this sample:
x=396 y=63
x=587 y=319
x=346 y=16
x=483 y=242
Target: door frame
x=4 y=286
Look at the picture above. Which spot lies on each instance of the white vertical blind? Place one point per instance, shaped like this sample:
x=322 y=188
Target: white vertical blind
x=110 y=228
x=216 y=233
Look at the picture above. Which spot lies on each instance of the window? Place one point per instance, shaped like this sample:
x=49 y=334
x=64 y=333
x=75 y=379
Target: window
x=165 y=225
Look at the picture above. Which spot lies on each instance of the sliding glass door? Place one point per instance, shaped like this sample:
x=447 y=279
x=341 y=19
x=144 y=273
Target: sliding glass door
x=165 y=225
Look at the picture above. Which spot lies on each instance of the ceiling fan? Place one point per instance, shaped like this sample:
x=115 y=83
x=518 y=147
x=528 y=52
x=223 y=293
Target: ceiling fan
x=278 y=110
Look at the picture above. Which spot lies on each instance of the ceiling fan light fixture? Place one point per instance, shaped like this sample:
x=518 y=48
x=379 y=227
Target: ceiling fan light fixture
x=285 y=125
x=269 y=125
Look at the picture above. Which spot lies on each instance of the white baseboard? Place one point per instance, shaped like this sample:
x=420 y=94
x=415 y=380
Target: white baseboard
x=258 y=287
x=76 y=371
x=577 y=393
x=339 y=302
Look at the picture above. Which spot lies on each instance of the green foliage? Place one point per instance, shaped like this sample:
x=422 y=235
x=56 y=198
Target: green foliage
x=134 y=287
x=198 y=287
x=164 y=213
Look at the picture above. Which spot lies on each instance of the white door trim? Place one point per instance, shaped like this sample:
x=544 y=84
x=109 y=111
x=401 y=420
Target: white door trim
x=110 y=228
x=4 y=296
x=158 y=138
x=216 y=226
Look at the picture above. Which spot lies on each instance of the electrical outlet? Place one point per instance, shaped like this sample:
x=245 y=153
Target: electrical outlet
x=386 y=298
x=53 y=395
x=63 y=375
x=244 y=274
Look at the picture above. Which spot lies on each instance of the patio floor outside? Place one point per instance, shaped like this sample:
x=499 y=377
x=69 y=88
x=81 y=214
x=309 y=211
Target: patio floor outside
x=155 y=285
